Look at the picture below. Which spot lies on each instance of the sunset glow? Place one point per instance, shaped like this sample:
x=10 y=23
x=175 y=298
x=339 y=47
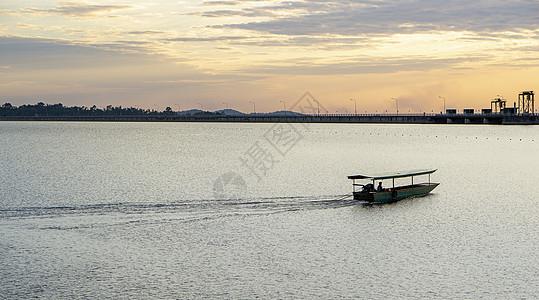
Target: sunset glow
x=180 y=53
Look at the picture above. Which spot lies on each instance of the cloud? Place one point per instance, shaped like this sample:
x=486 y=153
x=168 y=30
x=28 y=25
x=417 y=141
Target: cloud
x=76 y=9
x=244 y=41
x=387 y=17
x=248 y=12
x=220 y=3
x=228 y=2
x=40 y=53
x=257 y=11
x=7 y=12
x=352 y=65
x=145 y=32
x=206 y=39
x=59 y=69
x=312 y=42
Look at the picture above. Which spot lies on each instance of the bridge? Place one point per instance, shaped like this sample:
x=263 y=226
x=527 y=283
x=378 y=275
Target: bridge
x=501 y=119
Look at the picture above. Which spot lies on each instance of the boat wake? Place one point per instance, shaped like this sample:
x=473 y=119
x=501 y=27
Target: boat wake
x=183 y=210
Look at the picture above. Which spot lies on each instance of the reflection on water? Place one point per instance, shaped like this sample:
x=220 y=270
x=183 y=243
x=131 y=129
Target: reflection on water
x=140 y=210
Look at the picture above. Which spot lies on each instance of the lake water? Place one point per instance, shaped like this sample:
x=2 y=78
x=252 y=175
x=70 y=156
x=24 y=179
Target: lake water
x=209 y=210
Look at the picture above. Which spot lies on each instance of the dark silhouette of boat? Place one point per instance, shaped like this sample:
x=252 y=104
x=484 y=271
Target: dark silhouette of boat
x=378 y=194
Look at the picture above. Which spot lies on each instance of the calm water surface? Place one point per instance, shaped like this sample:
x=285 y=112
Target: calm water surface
x=173 y=210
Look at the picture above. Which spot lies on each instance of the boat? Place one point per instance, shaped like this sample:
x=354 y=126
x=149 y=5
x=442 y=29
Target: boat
x=378 y=194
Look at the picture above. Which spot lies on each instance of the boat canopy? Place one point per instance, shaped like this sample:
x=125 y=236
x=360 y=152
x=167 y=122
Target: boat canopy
x=393 y=175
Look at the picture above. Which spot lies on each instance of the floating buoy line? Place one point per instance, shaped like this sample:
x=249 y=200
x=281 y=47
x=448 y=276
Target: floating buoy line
x=389 y=134
x=413 y=135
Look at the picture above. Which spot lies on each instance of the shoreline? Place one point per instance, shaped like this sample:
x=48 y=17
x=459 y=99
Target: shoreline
x=360 y=119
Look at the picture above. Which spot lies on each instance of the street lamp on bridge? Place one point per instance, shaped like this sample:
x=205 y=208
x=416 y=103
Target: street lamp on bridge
x=397 y=103
x=444 y=102
x=355 y=106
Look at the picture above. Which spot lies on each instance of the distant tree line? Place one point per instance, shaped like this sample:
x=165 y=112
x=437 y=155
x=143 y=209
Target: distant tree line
x=42 y=109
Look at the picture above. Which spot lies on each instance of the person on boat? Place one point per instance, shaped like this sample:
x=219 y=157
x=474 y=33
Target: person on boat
x=380 y=188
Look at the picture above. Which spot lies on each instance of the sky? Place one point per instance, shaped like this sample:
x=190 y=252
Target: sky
x=228 y=53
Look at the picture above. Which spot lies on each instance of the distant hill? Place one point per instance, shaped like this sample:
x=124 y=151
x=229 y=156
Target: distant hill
x=194 y=112
x=284 y=113
x=229 y=112
x=189 y=112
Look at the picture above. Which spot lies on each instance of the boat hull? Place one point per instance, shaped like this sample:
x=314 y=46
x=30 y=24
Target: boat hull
x=396 y=194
